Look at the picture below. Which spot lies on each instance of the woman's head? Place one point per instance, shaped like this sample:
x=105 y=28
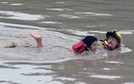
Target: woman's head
x=91 y=42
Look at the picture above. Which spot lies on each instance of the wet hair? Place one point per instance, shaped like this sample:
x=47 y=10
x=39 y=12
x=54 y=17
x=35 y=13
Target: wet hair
x=84 y=44
x=88 y=40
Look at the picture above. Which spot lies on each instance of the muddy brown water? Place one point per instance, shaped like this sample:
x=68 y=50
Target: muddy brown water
x=62 y=23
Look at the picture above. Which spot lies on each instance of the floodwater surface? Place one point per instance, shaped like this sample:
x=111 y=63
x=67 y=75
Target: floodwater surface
x=61 y=23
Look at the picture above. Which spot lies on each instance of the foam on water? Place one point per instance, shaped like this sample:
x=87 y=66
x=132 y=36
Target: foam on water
x=100 y=32
x=114 y=62
x=106 y=69
x=4 y=2
x=65 y=78
x=125 y=50
x=93 y=14
x=121 y=32
x=16 y=4
x=51 y=22
x=126 y=31
x=110 y=77
x=20 y=16
x=59 y=9
x=78 y=32
x=21 y=26
x=129 y=83
x=60 y=2
x=24 y=26
x=69 y=16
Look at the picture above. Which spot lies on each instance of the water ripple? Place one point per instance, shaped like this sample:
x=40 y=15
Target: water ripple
x=129 y=83
x=93 y=14
x=69 y=16
x=59 y=9
x=51 y=22
x=4 y=2
x=114 y=62
x=20 y=16
x=110 y=77
x=66 y=78
x=16 y=4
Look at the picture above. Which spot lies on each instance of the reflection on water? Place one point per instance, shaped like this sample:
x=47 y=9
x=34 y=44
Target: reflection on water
x=61 y=24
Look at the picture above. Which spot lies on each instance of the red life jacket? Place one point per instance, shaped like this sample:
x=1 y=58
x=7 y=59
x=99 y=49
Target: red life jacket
x=79 y=47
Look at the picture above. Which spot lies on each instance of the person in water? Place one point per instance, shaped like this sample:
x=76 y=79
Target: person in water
x=89 y=43
x=36 y=36
x=113 y=41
